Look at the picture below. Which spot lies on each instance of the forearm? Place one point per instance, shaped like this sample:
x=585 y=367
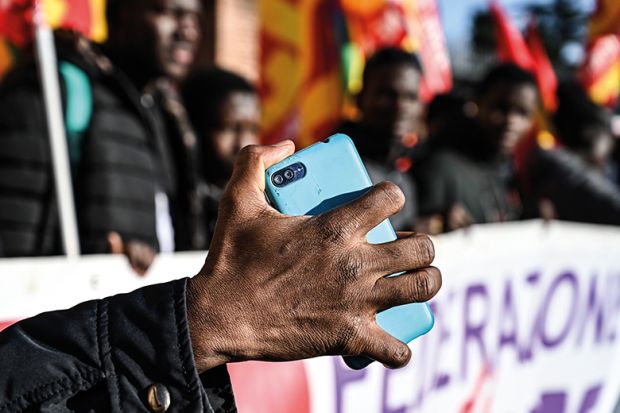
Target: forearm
x=127 y=342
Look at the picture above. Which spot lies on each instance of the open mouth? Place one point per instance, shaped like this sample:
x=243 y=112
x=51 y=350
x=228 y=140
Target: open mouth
x=183 y=55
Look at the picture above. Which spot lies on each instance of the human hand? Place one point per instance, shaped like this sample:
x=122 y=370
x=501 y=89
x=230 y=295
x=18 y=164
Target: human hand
x=139 y=254
x=458 y=217
x=278 y=287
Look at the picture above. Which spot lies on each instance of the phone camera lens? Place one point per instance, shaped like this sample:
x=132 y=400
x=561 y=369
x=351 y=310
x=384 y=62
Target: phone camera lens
x=278 y=179
x=289 y=174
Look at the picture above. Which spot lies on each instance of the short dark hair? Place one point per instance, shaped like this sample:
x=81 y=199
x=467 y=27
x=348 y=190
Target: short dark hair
x=205 y=90
x=390 y=56
x=578 y=116
x=113 y=10
x=507 y=74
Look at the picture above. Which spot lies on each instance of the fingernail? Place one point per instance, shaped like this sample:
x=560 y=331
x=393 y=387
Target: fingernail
x=282 y=143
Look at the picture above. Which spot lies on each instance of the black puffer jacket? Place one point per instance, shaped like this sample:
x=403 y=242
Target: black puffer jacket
x=125 y=158
x=107 y=356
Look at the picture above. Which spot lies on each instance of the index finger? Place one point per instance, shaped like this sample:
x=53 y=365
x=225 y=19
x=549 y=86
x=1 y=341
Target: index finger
x=360 y=216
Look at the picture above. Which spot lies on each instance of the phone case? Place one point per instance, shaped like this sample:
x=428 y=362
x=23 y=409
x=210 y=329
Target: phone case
x=335 y=175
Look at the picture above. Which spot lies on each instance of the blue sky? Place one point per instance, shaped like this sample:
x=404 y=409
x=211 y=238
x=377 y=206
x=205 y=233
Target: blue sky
x=456 y=15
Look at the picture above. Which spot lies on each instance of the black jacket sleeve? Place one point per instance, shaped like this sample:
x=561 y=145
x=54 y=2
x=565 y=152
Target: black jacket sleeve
x=27 y=210
x=577 y=191
x=105 y=356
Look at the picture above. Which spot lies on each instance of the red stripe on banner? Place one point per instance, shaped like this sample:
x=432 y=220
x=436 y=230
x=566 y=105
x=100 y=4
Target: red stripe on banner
x=270 y=387
x=5 y=324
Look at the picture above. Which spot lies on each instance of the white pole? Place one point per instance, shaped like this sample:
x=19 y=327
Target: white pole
x=48 y=72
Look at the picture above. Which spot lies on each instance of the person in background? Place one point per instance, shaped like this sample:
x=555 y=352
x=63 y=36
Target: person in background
x=224 y=109
x=575 y=181
x=469 y=178
x=390 y=122
x=126 y=178
x=584 y=128
x=440 y=115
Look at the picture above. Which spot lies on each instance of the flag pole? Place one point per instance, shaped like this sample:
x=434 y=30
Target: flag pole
x=48 y=73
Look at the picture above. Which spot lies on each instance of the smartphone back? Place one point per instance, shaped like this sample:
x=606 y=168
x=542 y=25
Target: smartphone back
x=333 y=174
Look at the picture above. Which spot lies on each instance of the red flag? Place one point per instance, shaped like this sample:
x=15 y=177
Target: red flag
x=84 y=16
x=531 y=56
x=429 y=42
x=16 y=21
x=543 y=70
x=77 y=16
x=511 y=46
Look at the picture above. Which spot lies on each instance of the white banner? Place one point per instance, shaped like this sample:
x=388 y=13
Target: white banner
x=526 y=321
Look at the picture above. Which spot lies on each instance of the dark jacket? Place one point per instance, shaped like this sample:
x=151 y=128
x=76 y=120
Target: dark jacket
x=577 y=191
x=485 y=189
x=126 y=155
x=104 y=356
x=460 y=169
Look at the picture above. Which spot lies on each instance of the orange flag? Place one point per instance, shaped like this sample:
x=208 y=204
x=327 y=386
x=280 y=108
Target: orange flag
x=600 y=72
x=606 y=18
x=301 y=83
x=312 y=60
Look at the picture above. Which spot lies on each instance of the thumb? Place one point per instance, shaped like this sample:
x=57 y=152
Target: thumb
x=384 y=348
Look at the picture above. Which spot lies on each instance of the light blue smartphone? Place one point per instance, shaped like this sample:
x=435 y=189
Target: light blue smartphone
x=320 y=178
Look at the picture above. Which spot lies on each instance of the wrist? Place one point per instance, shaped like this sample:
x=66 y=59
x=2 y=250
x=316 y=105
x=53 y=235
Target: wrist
x=213 y=340
x=205 y=333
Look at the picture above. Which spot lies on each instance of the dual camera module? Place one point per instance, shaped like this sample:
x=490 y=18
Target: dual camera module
x=289 y=174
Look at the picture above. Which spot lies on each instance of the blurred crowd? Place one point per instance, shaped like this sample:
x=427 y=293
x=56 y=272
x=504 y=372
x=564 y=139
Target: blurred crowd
x=152 y=142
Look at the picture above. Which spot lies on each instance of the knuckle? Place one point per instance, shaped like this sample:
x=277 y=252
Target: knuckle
x=423 y=248
x=347 y=341
x=422 y=285
x=392 y=194
x=330 y=230
x=395 y=251
x=249 y=154
x=231 y=203
x=228 y=201
x=425 y=285
x=251 y=151
x=349 y=267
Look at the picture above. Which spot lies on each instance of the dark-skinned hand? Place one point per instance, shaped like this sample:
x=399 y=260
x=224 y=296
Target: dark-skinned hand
x=278 y=287
x=140 y=254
